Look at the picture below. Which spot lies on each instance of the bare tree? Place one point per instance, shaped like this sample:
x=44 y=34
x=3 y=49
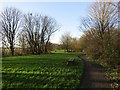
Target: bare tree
x=101 y=25
x=101 y=20
x=10 y=18
x=50 y=26
x=38 y=30
x=32 y=31
x=66 y=41
x=23 y=43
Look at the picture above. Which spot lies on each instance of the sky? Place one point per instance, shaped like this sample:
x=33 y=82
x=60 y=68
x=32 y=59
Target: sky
x=67 y=14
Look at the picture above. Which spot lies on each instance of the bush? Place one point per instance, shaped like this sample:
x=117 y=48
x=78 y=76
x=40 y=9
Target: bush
x=110 y=57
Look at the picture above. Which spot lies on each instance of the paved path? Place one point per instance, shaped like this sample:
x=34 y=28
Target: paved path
x=93 y=76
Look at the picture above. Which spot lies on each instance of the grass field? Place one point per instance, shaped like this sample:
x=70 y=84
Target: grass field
x=41 y=71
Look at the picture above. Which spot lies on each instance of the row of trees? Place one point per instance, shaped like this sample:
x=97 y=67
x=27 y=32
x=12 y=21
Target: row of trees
x=30 y=32
x=69 y=43
x=101 y=35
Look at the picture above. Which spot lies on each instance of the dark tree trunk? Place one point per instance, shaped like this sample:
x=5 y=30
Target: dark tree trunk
x=12 y=49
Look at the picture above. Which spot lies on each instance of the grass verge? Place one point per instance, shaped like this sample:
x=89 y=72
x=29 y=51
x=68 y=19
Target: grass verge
x=113 y=74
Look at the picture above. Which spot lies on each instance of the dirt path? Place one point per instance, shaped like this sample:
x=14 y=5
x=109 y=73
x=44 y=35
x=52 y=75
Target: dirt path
x=93 y=76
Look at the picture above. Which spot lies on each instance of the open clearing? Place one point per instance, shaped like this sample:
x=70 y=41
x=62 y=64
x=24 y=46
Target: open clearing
x=41 y=71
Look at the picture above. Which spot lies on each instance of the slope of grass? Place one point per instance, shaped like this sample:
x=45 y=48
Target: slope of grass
x=41 y=71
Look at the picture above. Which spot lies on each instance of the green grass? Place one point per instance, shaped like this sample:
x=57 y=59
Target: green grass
x=41 y=71
x=58 y=51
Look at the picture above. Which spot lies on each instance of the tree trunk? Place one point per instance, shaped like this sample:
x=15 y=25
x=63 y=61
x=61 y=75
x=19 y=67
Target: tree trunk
x=12 y=49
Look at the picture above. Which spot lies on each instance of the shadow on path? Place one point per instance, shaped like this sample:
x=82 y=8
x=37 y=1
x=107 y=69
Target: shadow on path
x=93 y=76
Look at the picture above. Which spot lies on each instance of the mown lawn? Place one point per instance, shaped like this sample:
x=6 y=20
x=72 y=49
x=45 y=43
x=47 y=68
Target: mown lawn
x=41 y=71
